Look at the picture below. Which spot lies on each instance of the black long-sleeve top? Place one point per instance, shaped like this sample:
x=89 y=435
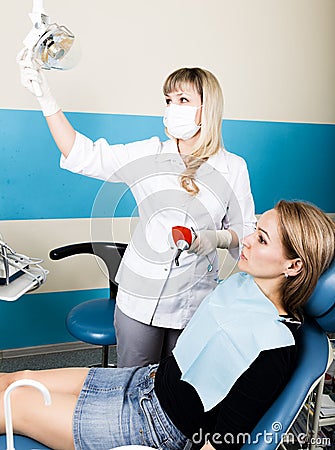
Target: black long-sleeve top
x=239 y=411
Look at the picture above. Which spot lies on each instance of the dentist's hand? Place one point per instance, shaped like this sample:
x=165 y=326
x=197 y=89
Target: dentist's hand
x=33 y=79
x=209 y=240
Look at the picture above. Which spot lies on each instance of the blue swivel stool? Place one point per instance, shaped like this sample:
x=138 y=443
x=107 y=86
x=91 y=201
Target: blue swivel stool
x=93 y=321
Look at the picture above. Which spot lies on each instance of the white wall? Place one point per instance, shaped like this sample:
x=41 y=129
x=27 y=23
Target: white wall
x=274 y=58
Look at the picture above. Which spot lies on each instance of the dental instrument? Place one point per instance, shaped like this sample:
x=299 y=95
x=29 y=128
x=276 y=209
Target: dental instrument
x=8 y=410
x=13 y=265
x=183 y=238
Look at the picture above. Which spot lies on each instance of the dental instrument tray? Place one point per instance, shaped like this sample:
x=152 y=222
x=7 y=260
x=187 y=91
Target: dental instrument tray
x=18 y=273
x=8 y=272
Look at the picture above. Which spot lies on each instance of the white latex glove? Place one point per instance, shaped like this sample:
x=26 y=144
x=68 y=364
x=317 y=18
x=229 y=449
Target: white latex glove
x=209 y=240
x=33 y=79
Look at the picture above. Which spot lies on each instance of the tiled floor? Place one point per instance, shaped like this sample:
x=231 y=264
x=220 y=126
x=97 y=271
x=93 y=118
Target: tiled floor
x=51 y=360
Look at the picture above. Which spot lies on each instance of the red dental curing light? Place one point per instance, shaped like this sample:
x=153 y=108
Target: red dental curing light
x=182 y=237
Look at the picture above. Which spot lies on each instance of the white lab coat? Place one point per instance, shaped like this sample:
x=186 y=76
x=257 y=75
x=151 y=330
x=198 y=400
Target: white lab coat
x=152 y=289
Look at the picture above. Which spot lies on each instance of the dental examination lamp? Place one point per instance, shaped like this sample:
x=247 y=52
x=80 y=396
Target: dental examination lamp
x=48 y=45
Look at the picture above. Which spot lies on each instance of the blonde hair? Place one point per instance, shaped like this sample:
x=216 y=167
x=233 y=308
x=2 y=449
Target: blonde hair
x=210 y=138
x=309 y=234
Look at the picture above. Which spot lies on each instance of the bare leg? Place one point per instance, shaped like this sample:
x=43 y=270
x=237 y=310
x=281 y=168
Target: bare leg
x=51 y=425
x=62 y=381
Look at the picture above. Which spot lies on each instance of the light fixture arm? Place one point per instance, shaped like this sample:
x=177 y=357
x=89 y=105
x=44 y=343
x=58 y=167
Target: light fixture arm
x=37 y=16
x=38 y=6
x=40 y=21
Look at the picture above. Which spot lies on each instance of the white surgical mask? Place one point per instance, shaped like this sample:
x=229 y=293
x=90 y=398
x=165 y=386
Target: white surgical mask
x=180 y=121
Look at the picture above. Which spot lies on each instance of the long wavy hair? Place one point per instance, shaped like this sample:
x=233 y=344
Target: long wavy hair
x=210 y=137
x=309 y=234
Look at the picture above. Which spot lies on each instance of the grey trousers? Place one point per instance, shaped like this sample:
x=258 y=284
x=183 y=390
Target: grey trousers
x=139 y=344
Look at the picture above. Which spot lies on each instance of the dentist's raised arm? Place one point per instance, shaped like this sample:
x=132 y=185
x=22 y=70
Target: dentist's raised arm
x=62 y=131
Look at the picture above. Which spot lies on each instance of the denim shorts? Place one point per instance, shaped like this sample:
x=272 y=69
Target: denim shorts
x=119 y=407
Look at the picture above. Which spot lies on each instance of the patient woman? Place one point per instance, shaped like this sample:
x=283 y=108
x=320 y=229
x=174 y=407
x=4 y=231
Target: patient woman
x=228 y=366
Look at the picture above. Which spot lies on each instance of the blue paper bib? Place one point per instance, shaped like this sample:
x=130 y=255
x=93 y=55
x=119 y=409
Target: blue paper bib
x=226 y=334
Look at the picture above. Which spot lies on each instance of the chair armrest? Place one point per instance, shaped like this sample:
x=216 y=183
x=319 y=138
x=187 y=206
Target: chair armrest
x=92 y=248
x=110 y=252
x=70 y=250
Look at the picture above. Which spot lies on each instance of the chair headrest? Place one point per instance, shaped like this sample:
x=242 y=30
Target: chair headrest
x=321 y=304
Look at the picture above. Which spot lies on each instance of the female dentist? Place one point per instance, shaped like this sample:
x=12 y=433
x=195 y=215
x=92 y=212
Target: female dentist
x=189 y=180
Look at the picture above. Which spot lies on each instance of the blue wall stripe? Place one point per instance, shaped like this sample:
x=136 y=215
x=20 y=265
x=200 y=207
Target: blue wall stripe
x=39 y=319
x=286 y=160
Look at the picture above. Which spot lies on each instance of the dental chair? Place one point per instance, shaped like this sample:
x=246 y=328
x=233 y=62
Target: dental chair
x=314 y=358
x=92 y=321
